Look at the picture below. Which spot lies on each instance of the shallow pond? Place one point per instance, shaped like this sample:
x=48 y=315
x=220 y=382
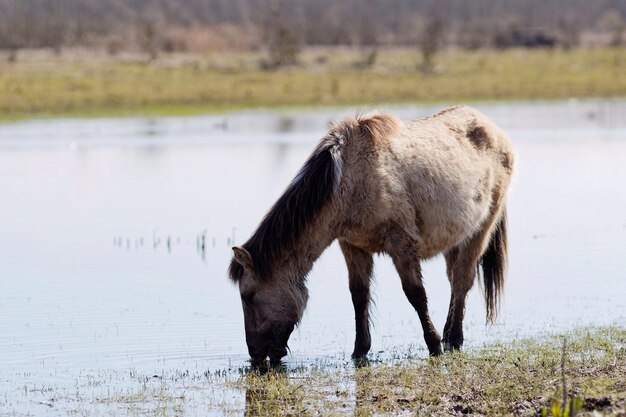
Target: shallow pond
x=116 y=237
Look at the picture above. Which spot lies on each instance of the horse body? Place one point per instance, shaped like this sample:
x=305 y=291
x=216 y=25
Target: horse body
x=435 y=178
x=378 y=185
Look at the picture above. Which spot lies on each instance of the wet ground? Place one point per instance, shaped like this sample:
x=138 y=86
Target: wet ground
x=116 y=236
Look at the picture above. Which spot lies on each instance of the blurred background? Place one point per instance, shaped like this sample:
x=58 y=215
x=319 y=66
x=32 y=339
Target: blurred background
x=192 y=56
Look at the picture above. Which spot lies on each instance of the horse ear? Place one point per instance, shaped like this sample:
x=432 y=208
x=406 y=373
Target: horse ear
x=243 y=257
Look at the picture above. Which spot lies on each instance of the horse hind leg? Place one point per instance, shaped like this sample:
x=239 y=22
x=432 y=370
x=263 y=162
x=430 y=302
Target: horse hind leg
x=461 y=270
x=407 y=264
x=462 y=267
x=360 y=266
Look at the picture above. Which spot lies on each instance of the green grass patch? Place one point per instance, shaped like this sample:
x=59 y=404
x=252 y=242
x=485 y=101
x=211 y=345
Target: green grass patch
x=41 y=85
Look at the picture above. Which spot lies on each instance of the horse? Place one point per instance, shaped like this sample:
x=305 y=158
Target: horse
x=379 y=185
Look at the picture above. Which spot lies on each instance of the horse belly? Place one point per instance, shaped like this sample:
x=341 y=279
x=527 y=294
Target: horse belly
x=450 y=208
x=444 y=227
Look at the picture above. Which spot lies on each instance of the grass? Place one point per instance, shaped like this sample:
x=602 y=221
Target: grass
x=522 y=378
x=90 y=84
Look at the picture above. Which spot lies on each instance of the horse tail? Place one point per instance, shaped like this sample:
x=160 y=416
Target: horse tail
x=493 y=263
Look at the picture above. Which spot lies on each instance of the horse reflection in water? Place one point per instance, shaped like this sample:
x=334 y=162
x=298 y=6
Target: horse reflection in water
x=271 y=392
x=378 y=185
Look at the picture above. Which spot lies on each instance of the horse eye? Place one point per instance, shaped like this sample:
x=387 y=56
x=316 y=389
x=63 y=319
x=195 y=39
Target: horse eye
x=247 y=298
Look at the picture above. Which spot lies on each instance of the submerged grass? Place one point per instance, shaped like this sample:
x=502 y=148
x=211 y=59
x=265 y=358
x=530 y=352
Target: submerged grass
x=91 y=84
x=522 y=378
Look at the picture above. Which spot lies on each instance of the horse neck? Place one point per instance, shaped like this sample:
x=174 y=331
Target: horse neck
x=298 y=262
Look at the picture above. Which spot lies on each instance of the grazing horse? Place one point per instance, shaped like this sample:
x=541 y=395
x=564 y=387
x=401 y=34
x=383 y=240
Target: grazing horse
x=379 y=185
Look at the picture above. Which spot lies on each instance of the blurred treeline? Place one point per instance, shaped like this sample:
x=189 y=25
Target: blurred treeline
x=285 y=26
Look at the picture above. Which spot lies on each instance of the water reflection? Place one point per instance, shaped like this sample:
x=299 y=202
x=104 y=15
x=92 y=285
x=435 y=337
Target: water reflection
x=539 y=118
x=285 y=124
x=280 y=390
x=204 y=242
x=271 y=391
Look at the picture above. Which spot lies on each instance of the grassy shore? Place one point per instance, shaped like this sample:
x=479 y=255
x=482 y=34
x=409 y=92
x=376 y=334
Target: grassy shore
x=82 y=83
x=522 y=378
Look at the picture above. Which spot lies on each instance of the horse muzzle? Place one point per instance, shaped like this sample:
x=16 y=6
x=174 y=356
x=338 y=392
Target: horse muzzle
x=274 y=346
x=258 y=350
x=276 y=354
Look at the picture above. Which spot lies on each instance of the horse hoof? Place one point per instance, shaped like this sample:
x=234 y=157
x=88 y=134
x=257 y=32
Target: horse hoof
x=361 y=349
x=359 y=354
x=453 y=345
x=435 y=350
x=451 y=348
x=361 y=361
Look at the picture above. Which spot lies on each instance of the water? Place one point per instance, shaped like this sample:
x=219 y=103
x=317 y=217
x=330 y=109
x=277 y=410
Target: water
x=102 y=267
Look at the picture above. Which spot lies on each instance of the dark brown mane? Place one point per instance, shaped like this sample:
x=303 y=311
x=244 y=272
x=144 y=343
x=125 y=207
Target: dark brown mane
x=295 y=210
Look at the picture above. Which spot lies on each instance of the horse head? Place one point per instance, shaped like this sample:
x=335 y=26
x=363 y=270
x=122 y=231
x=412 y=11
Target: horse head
x=271 y=308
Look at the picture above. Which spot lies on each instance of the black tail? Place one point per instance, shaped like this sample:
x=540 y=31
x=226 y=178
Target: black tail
x=493 y=263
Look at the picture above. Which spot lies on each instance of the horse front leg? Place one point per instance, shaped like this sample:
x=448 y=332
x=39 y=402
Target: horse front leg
x=407 y=264
x=360 y=264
